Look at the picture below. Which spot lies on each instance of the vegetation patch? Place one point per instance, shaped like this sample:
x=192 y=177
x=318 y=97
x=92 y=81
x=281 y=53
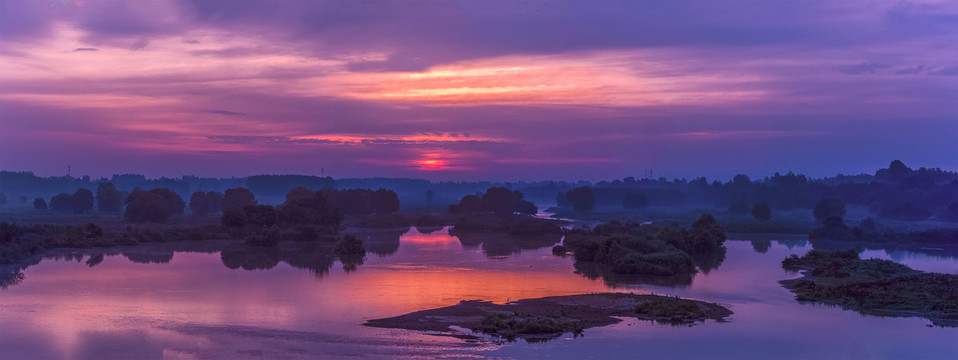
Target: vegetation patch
x=541 y=319
x=877 y=287
x=631 y=248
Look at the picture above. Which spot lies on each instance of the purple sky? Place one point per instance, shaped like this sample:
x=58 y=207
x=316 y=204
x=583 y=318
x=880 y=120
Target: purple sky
x=501 y=90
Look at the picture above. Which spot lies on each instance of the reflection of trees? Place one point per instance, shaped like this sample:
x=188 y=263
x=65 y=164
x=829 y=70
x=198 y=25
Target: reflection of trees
x=310 y=256
x=250 y=257
x=499 y=244
x=148 y=257
x=10 y=277
x=428 y=229
x=593 y=271
x=382 y=243
x=710 y=260
x=94 y=260
x=761 y=246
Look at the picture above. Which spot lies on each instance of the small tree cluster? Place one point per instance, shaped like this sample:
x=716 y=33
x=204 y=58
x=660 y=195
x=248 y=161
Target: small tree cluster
x=108 y=198
x=582 y=198
x=366 y=202
x=827 y=208
x=156 y=205
x=81 y=201
x=496 y=200
x=634 y=200
x=762 y=211
x=204 y=203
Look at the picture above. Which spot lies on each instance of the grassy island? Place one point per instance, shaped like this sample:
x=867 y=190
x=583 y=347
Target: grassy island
x=872 y=286
x=631 y=248
x=549 y=317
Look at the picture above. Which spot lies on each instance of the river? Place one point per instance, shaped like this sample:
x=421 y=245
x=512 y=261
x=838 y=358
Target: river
x=215 y=299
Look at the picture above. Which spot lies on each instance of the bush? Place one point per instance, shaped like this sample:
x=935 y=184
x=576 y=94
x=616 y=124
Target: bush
x=761 y=211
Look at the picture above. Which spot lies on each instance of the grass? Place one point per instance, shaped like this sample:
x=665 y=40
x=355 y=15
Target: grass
x=873 y=286
x=672 y=310
x=510 y=326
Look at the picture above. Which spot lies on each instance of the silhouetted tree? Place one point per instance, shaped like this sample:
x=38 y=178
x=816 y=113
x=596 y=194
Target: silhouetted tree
x=214 y=202
x=147 y=206
x=634 y=200
x=762 y=211
x=833 y=228
x=237 y=198
x=39 y=204
x=386 y=201
x=81 y=201
x=204 y=203
x=156 y=205
x=318 y=210
x=827 y=208
x=706 y=234
x=173 y=199
x=469 y=204
x=108 y=198
x=298 y=193
x=61 y=202
x=582 y=199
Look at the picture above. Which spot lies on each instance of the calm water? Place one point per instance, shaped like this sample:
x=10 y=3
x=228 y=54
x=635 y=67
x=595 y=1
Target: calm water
x=192 y=301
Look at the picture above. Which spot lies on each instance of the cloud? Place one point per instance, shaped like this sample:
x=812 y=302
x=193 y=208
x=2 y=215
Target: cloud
x=226 y=112
x=86 y=49
x=862 y=68
x=910 y=70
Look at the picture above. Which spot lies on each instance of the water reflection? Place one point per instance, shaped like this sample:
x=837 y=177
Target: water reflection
x=502 y=245
x=306 y=306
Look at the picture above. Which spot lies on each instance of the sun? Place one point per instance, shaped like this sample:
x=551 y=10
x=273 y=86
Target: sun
x=432 y=161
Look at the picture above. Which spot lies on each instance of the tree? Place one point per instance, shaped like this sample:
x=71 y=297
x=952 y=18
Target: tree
x=706 y=234
x=147 y=206
x=199 y=204
x=499 y=200
x=318 y=210
x=204 y=203
x=762 y=211
x=634 y=200
x=827 y=208
x=469 y=204
x=173 y=199
x=39 y=204
x=582 y=198
x=234 y=218
x=262 y=215
x=237 y=198
x=386 y=201
x=298 y=193
x=156 y=205
x=81 y=201
x=215 y=201
x=108 y=198
x=61 y=202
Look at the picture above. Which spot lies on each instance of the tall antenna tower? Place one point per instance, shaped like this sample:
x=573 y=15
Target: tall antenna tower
x=68 y=170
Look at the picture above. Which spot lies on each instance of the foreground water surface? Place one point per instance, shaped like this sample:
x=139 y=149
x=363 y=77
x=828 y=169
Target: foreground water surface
x=217 y=299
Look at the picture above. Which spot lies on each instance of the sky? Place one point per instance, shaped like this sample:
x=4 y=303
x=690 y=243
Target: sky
x=477 y=90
